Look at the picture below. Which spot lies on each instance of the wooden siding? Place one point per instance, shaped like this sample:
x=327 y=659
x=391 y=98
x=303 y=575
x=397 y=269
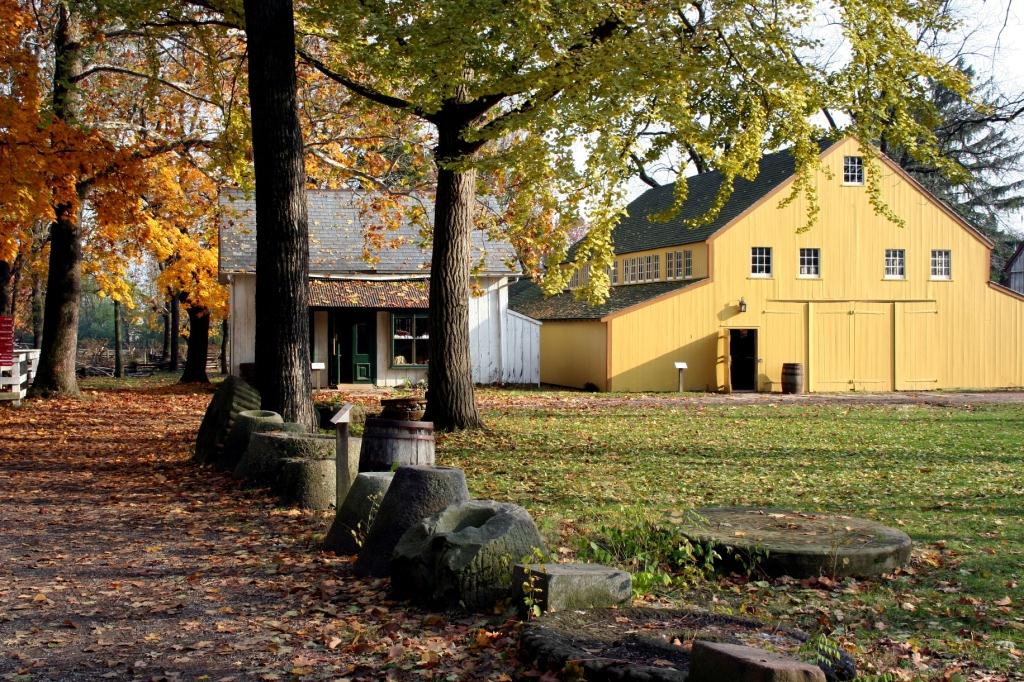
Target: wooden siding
x=574 y=353
x=242 y=320
x=520 y=349
x=851 y=328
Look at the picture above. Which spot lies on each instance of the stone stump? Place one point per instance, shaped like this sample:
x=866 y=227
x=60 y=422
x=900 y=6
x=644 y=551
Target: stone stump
x=354 y=517
x=232 y=396
x=262 y=461
x=238 y=438
x=309 y=483
x=464 y=555
x=248 y=465
x=557 y=587
x=416 y=492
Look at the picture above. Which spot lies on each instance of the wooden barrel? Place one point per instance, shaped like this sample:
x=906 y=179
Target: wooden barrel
x=391 y=443
x=792 y=377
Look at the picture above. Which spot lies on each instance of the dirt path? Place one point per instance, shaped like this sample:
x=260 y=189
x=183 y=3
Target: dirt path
x=119 y=560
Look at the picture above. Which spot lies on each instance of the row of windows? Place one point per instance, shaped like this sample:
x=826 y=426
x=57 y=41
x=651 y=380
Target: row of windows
x=638 y=269
x=895 y=264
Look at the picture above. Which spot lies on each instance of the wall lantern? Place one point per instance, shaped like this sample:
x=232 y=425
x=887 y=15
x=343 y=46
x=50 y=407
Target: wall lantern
x=743 y=305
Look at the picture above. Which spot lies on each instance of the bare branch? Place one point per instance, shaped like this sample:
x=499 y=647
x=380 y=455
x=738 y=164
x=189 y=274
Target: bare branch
x=110 y=68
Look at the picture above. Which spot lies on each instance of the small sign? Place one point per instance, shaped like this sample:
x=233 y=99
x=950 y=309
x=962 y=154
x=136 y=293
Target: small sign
x=6 y=341
x=681 y=365
x=317 y=365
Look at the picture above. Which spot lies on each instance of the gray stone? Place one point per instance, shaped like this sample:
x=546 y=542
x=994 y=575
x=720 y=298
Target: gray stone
x=416 y=492
x=309 y=483
x=261 y=463
x=238 y=438
x=556 y=587
x=231 y=397
x=464 y=555
x=352 y=522
x=716 y=662
x=248 y=467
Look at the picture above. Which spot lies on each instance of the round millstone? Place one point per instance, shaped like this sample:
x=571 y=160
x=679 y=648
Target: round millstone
x=645 y=644
x=778 y=542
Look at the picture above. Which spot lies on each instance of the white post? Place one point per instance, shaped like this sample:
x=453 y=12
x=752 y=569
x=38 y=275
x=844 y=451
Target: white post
x=681 y=366
x=346 y=464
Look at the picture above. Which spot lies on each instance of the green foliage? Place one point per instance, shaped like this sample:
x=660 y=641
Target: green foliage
x=655 y=552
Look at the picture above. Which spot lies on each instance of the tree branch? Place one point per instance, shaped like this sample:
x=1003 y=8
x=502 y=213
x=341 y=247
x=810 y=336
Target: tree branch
x=362 y=90
x=642 y=172
x=109 y=68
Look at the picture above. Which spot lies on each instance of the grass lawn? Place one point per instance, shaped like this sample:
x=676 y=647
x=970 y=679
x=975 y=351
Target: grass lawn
x=952 y=478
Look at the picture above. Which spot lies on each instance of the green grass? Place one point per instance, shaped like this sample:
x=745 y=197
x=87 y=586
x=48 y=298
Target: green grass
x=953 y=478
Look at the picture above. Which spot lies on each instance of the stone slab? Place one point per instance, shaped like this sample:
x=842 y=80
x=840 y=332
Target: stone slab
x=353 y=519
x=717 y=662
x=556 y=587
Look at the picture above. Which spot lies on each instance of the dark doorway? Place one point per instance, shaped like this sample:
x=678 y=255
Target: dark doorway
x=352 y=346
x=743 y=359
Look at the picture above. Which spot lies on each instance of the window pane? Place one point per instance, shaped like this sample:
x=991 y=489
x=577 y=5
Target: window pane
x=895 y=263
x=853 y=170
x=810 y=262
x=688 y=265
x=420 y=352
x=403 y=352
x=403 y=326
x=422 y=327
x=941 y=264
x=761 y=261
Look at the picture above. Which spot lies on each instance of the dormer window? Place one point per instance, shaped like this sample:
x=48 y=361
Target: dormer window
x=853 y=170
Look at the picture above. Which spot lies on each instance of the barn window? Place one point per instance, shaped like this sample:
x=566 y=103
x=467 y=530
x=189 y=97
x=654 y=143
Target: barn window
x=895 y=264
x=853 y=170
x=410 y=338
x=810 y=263
x=687 y=264
x=942 y=264
x=761 y=261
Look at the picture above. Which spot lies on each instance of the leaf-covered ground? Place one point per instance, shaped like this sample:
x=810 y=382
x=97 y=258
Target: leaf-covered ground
x=947 y=469
x=120 y=560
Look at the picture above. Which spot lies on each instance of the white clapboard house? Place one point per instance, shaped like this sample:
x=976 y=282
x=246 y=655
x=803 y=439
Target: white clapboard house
x=1014 y=270
x=370 y=322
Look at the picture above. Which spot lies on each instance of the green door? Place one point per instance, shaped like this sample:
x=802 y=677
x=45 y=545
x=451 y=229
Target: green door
x=364 y=341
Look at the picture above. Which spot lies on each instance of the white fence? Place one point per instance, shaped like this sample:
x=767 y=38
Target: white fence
x=15 y=379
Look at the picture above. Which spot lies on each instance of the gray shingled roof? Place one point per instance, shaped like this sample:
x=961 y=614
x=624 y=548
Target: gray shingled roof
x=636 y=232
x=526 y=298
x=336 y=240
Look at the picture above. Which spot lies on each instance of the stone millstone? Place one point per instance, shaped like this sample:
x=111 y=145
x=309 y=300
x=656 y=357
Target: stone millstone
x=309 y=483
x=248 y=467
x=416 y=492
x=352 y=522
x=801 y=545
x=556 y=587
x=238 y=438
x=261 y=463
x=464 y=555
x=644 y=644
x=231 y=397
x=714 y=662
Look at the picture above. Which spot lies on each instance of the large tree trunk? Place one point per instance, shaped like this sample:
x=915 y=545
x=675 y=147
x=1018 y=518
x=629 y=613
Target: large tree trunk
x=6 y=282
x=175 y=362
x=198 y=345
x=451 y=402
x=282 y=240
x=12 y=306
x=56 y=373
x=37 y=310
x=118 y=356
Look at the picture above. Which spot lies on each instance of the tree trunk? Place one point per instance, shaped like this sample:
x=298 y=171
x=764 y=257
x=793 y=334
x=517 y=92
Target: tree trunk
x=165 y=352
x=198 y=345
x=174 y=363
x=224 y=347
x=118 y=357
x=37 y=310
x=282 y=240
x=5 y=286
x=12 y=306
x=451 y=402
x=56 y=373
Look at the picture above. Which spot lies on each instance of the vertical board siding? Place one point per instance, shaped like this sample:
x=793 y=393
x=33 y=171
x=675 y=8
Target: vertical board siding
x=242 y=320
x=320 y=348
x=574 y=353
x=520 y=349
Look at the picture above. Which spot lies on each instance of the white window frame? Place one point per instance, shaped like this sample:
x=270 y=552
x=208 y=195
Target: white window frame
x=670 y=264
x=761 y=262
x=895 y=264
x=943 y=260
x=687 y=264
x=812 y=257
x=853 y=170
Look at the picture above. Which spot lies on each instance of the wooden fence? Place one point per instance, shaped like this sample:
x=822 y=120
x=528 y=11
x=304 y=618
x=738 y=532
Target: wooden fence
x=17 y=377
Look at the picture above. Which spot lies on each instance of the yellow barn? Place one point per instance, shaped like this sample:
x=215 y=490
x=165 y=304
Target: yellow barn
x=861 y=303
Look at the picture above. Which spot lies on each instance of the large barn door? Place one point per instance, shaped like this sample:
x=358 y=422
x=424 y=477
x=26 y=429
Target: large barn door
x=852 y=346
